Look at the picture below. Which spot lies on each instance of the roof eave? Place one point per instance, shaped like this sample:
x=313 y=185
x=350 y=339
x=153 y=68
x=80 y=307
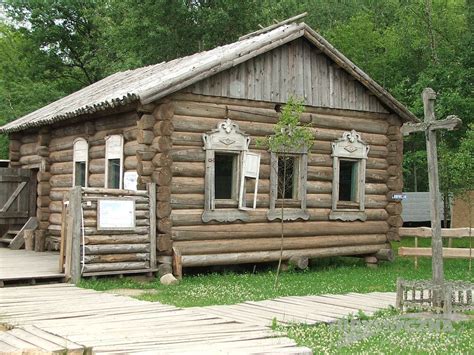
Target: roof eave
x=84 y=110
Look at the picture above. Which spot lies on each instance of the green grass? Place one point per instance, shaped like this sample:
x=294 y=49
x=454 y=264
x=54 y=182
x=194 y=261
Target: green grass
x=384 y=333
x=334 y=275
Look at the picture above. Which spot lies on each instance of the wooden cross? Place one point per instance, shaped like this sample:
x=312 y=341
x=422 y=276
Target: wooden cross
x=429 y=126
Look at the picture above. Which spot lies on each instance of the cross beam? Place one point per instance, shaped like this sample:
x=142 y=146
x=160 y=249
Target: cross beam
x=430 y=126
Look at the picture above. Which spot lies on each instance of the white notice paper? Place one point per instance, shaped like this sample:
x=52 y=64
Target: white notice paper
x=130 y=180
x=116 y=214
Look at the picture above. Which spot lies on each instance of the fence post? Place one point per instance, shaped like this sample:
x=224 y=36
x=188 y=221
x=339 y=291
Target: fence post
x=151 y=187
x=399 y=299
x=75 y=197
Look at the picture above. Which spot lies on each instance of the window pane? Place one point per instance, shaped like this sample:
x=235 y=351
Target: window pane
x=80 y=174
x=286 y=177
x=224 y=176
x=113 y=180
x=347 y=180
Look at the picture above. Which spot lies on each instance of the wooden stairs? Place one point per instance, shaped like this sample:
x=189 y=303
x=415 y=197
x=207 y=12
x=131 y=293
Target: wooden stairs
x=14 y=238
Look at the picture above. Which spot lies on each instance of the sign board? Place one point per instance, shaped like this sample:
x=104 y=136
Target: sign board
x=399 y=196
x=130 y=179
x=115 y=213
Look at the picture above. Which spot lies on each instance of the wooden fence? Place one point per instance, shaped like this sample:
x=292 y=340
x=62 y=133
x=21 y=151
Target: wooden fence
x=425 y=232
x=108 y=231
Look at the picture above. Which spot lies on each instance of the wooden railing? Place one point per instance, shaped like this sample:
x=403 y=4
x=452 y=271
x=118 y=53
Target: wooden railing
x=425 y=232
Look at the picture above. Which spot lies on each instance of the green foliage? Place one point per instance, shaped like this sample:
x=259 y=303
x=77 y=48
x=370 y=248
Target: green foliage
x=384 y=333
x=289 y=135
x=50 y=48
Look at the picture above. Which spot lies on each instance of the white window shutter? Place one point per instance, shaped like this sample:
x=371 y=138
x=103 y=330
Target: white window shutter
x=250 y=170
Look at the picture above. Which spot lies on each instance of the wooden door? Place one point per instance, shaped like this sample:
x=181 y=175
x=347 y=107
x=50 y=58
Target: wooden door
x=17 y=195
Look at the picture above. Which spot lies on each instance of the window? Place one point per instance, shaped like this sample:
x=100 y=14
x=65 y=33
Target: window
x=80 y=161
x=228 y=165
x=348 y=180
x=225 y=175
x=348 y=186
x=288 y=185
x=113 y=162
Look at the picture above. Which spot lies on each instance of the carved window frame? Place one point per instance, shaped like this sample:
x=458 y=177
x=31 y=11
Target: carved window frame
x=227 y=138
x=349 y=148
x=113 y=150
x=289 y=213
x=80 y=154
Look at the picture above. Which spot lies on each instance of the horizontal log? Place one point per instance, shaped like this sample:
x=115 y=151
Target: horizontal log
x=30 y=159
x=250 y=110
x=61 y=143
x=62 y=168
x=103 y=267
x=117 y=239
x=123 y=120
x=43 y=188
x=43 y=201
x=61 y=180
x=57 y=194
x=130 y=134
x=96 y=180
x=270 y=230
x=56 y=206
x=322 y=200
x=114 y=192
x=448 y=253
x=426 y=232
x=29 y=138
x=116 y=258
x=131 y=148
x=55 y=218
x=116 y=248
x=97 y=152
x=265 y=244
x=28 y=148
x=97 y=166
x=269 y=256
x=136 y=230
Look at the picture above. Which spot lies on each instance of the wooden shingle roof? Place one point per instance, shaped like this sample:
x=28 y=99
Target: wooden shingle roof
x=153 y=82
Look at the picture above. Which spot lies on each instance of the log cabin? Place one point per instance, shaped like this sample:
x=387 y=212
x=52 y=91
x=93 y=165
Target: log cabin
x=190 y=126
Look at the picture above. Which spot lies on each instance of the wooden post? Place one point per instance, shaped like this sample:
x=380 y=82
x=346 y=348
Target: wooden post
x=416 y=258
x=75 y=207
x=429 y=126
x=151 y=187
x=429 y=97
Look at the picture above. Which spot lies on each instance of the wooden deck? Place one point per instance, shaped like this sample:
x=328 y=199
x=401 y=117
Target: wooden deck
x=304 y=309
x=110 y=323
x=28 y=266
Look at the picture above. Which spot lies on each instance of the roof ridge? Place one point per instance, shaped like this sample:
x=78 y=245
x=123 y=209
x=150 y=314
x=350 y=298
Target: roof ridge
x=272 y=27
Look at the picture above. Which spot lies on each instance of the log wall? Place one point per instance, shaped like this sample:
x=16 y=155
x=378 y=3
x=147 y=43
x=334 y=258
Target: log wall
x=258 y=240
x=51 y=151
